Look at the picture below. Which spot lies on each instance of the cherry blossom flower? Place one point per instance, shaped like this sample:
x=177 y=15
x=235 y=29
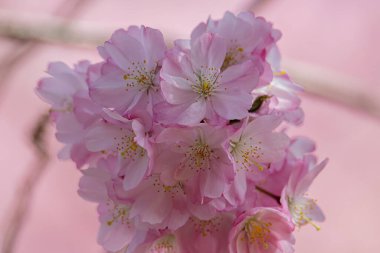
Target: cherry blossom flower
x=205 y=235
x=303 y=209
x=196 y=88
x=253 y=148
x=119 y=139
x=179 y=145
x=262 y=230
x=129 y=75
x=198 y=160
x=62 y=91
x=59 y=89
x=167 y=243
x=246 y=36
x=256 y=145
x=157 y=205
x=116 y=228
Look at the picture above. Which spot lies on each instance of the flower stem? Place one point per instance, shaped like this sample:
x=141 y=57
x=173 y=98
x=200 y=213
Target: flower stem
x=274 y=196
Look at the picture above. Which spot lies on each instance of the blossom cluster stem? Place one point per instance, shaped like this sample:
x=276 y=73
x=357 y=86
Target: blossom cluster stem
x=274 y=196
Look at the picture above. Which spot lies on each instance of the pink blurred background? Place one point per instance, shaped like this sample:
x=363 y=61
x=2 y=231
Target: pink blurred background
x=331 y=47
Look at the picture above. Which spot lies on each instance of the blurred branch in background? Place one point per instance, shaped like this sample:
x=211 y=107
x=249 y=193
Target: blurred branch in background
x=23 y=197
x=334 y=87
x=23 y=46
x=317 y=81
x=17 y=213
x=256 y=5
x=49 y=30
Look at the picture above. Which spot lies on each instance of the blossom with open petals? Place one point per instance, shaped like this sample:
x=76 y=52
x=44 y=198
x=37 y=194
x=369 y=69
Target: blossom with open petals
x=195 y=156
x=303 y=209
x=262 y=230
x=119 y=139
x=246 y=36
x=196 y=87
x=129 y=75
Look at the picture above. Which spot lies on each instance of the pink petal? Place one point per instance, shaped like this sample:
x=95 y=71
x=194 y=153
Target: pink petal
x=185 y=114
x=208 y=50
x=244 y=76
x=152 y=208
x=177 y=90
x=101 y=137
x=214 y=185
x=232 y=105
x=115 y=237
x=305 y=182
x=262 y=124
x=135 y=172
x=151 y=39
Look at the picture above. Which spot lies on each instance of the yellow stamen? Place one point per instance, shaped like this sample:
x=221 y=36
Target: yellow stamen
x=279 y=73
x=308 y=220
x=258 y=232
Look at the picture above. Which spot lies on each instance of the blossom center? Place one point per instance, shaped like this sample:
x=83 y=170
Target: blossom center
x=164 y=245
x=233 y=56
x=173 y=190
x=127 y=147
x=207 y=82
x=119 y=214
x=258 y=232
x=246 y=155
x=206 y=227
x=300 y=211
x=139 y=77
x=198 y=156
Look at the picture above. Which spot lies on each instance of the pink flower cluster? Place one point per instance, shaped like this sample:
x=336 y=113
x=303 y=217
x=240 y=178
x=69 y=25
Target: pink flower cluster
x=184 y=148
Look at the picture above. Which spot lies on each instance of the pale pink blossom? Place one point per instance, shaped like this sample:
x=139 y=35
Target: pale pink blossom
x=166 y=243
x=119 y=139
x=186 y=148
x=253 y=148
x=262 y=230
x=129 y=78
x=282 y=95
x=256 y=144
x=58 y=89
x=304 y=210
x=282 y=92
x=116 y=228
x=196 y=87
x=246 y=36
x=298 y=148
x=205 y=235
x=67 y=93
x=196 y=157
x=159 y=205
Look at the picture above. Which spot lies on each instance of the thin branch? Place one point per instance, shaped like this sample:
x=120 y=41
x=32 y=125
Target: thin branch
x=256 y=5
x=273 y=196
x=55 y=30
x=24 y=47
x=334 y=87
x=23 y=197
x=18 y=212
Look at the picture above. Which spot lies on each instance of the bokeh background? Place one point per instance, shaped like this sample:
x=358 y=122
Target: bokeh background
x=331 y=47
